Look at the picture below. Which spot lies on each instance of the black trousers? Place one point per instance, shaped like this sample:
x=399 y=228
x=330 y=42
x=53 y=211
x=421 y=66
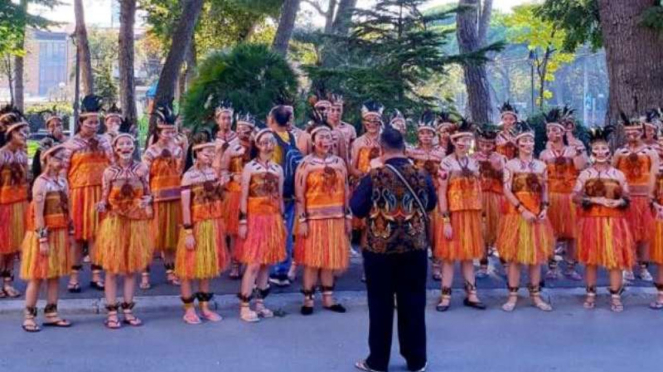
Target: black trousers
x=402 y=275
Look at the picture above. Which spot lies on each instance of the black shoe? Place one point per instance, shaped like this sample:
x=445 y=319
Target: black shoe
x=476 y=305
x=99 y=286
x=422 y=369
x=442 y=308
x=336 y=308
x=306 y=310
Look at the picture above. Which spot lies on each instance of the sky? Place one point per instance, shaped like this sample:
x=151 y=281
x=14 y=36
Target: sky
x=98 y=12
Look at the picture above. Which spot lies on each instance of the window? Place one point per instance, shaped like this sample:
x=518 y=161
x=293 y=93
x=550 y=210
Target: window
x=52 y=65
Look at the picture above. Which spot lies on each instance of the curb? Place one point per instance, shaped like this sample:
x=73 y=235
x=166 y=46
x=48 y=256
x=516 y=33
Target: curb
x=634 y=296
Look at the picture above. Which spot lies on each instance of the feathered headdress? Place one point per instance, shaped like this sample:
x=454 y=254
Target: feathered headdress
x=554 y=118
x=487 y=132
x=629 y=123
x=320 y=98
x=245 y=119
x=523 y=129
x=91 y=105
x=597 y=134
x=113 y=110
x=653 y=117
x=568 y=114
x=444 y=120
x=11 y=118
x=507 y=109
x=318 y=123
x=371 y=108
x=464 y=129
x=337 y=99
x=224 y=106
x=164 y=112
x=427 y=120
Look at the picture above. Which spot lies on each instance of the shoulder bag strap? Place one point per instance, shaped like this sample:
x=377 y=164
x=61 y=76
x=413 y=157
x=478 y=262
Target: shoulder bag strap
x=407 y=184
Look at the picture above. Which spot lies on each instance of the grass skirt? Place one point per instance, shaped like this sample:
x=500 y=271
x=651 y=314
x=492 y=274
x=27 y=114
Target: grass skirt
x=656 y=247
x=34 y=265
x=265 y=240
x=467 y=239
x=325 y=247
x=231 y=211
x=84 y=212
x=524 y=243
x=606 y=242
x=563 y=216
x=13 y=218
x=209 y=257
x=640 y=219
x=166 y=224
x=492 y=210
x=123 y=246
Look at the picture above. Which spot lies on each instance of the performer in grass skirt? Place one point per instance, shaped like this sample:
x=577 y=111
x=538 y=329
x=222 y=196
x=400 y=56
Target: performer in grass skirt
x=201 y=251
x=232 y=164
x=87 y=155
x=458 y=230
x=639 y=163
x=525 y=233
x=564 y=164
x=652 y=122
x=165 y=160
x=262 y=231
x=124 y=245
x=505 y=142
x=322 y=244
x=491 y=166
x=602 y=195
x=656 y=251
x=445 y=126
x=322 y=105
x=14 y=188
x=46 y=249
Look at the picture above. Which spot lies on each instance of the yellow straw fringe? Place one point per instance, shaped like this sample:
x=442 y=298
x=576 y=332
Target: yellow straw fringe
x=467 y=238
x=13 y=219
x=208 y=258
x=166 y=224
x=326 y=246
x=57 y=263
x=123 y=246
x=524 y=243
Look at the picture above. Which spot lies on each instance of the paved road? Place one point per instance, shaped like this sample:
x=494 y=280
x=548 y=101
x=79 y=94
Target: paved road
x=570 y=339
x=349 y=281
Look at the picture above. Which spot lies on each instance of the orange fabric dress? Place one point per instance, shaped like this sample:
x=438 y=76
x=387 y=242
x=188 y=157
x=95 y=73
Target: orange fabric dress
x=326 y=245
x=606 y=238
x=562 y=176
x=430 y=162
x=86 y=161
x=238 y=155
x=520 y=241
x=13 y=199
x=165 y=179
x=464 y=204
x=656 y=247
x=209 y=257
x=58 y=262
x=265 y=239
x=364 y=150
x=123 y=244
x=636 y=167
x=492 y=197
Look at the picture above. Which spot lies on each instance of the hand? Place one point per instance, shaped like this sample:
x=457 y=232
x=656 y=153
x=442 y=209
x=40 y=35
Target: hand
x=544 y=213
x=44 y=249
x=612 y=203
x=189 y=242
x=145 y=201
x=303 y=229
x=101 y=207
x=242 y=231
x=528 y=216
x=448 y=231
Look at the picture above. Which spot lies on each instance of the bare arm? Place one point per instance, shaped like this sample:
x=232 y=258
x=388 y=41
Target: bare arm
x=300 y=189
x=39 y=198
x=186 y=201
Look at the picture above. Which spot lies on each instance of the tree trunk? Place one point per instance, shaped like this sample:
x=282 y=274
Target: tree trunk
x=343 y=18
x=126 y=60
x=19 y=91
x=329 y=16
x=476 y=80
x=484 y=20
x=286 y=25
x=180 y=42
x=633 y=54
x=84 y=60
x=9 y=71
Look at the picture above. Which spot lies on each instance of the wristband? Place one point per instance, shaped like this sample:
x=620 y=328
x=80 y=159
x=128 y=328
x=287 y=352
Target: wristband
x=187 y=226
x=42 y=232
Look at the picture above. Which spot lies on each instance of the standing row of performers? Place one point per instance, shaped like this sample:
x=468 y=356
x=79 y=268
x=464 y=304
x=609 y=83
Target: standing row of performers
x=240 y=203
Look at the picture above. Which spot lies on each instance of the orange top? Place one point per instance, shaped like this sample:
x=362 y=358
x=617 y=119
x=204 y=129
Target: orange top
x=206 y=198
x=527 y=188
x=463 y=193
x=264 y=194
x=56 y=211
x=636 y=168
x=366 y=154
x=658 y=188
x=606 y=188
x=235 y=168
x=325 y=193
x=165 y=178
x=491 y=178
x=562 y=175
x=13 y=183
x=87 y=168
x=125 y=197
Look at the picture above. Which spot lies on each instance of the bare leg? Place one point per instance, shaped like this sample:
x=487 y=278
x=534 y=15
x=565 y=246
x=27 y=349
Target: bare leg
x=571 y=261
x=74 y=285
x=472 y=299
x=310 y=280
x=96 y=270
x=246 y=290
x=513 y=278
x=590 y=280
x=535 y=288
x=188 y=298
x=658 y=304
x=31 y=293
x=616 y=285
x=262 y=292
x=8 y=278
x=110 y=291
x=128 y=304
x=644 y=263
x=447 y=280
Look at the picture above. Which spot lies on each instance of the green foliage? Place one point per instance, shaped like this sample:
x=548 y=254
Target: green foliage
x=13 y=21
x=578 y=18
x=35 y=113
x=653 y=18
x=104 y=49
x=251 y=76
x=392 y=50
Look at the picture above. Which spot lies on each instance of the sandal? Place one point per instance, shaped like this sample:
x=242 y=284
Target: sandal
x=616 y=301
x=445 y=300
x=658 y=304
x=535 y=295
x=74 y=286
x=327 y=293
x=8 y=289
x=437 y=272
x=235 y=273
x=29 y=325
x=590 y=300
x=112 y=321
x=363 y=366
x=171 y=278
x=52 y=318
x=190 y=316
x=203 y=300
x=245 y=312
x=97 y=284
x=471 y=290
x=571 y=271
x=145 y=281
x=511 y=303
x=129 y=317
x=307 y=307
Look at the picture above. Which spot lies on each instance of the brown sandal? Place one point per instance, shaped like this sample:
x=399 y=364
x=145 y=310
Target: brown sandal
x=29 y=325
x=52 y=318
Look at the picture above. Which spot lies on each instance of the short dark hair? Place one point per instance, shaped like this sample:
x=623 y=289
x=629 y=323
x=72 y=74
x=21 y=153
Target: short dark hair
x=281 y=115
x=391 y=139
